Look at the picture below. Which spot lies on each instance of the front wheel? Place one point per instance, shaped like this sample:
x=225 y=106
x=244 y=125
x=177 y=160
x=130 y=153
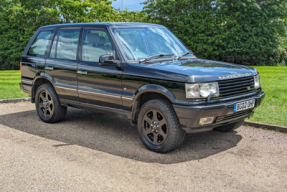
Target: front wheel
x=158 y=126
x=229 y=127
x=48 y=105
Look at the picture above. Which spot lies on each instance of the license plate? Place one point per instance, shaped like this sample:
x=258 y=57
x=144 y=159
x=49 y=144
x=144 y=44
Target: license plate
x=244 y=105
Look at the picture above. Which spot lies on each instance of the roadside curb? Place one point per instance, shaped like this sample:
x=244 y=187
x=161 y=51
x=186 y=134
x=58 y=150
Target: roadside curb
x=16 y=100
x=266 y=126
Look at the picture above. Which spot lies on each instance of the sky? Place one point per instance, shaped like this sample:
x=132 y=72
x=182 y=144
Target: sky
x=132 y=5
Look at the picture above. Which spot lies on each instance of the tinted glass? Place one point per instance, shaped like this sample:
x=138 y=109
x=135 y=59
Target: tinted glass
x=68 y=44
x=139 y=43
x=95 y=44
x=53 y=49
x=40 y=44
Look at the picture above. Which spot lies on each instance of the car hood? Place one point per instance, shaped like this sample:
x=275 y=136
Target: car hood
x=200 y=70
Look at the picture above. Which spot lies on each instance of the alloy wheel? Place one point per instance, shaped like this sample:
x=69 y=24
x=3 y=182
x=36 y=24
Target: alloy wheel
x=154 y=127
x=46 y=104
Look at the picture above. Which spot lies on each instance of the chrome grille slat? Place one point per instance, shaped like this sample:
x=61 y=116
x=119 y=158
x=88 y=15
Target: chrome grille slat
x=237 y=86
x=235 y=89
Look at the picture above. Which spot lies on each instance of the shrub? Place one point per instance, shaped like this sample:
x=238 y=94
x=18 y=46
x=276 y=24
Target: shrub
x=244 y=32
x=19 y=20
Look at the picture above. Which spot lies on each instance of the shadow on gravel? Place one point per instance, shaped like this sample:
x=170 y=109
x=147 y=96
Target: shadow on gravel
x=114 y=135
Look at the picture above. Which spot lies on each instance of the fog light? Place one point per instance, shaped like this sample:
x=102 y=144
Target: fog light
x=206 y=120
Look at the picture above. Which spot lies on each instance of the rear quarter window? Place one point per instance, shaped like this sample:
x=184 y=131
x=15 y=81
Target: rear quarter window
x=40 y=44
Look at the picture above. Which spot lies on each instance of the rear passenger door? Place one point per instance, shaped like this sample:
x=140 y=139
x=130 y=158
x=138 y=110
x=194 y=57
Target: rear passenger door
x=34 y=57
x=61 y=64
x=98 y=85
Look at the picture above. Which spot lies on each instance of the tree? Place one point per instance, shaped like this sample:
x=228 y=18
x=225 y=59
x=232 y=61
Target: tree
x=19 y=19
x=253 y=33
x=131 y=16
x=76 y=11
x=244 y=32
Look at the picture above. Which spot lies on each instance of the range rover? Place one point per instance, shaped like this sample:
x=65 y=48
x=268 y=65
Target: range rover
x=141 y=71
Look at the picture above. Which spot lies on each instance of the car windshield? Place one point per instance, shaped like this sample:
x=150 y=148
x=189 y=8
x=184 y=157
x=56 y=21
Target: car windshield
x=142 y=42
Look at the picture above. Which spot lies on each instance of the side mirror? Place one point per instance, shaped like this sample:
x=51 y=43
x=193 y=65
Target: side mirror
x=108 y=60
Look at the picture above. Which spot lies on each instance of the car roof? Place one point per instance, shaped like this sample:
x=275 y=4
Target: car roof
x=102 y=24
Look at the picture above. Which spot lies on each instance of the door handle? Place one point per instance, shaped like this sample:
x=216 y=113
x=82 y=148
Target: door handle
x=49 y=68
x=82 y=72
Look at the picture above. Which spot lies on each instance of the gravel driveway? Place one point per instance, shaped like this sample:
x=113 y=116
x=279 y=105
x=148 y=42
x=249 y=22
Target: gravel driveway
x=91 y=151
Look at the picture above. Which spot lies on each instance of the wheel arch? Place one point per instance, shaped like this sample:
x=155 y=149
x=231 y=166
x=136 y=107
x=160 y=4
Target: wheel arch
x=147 y=93
x=39 y=79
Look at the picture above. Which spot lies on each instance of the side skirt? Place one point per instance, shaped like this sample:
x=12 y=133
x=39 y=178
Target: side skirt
x=98 y=108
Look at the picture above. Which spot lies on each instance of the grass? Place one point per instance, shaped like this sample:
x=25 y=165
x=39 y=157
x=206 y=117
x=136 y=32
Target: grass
x=9 y=85
x=273 y=79
x=274 y=107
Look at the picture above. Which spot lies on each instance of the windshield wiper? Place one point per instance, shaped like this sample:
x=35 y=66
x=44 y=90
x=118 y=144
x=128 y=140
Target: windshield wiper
x=181 y=56
x=150 y=57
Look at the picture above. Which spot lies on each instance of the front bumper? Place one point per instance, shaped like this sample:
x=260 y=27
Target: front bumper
x=189 y=116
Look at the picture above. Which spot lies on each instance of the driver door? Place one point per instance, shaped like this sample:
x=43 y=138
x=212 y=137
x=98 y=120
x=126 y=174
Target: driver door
x=98 y=85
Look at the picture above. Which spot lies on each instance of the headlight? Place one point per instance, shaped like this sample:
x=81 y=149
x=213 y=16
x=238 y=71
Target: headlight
x=257 y=83
x=201 y=90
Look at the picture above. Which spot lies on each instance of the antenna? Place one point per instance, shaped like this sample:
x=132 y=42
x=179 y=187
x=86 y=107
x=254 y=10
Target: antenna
x=122 y=5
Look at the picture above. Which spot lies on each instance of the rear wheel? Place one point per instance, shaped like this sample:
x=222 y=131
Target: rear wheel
x=48 y=105
x=158 y=126
x=229 y=127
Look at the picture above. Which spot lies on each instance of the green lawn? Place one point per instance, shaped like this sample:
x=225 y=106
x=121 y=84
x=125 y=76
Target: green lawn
x=273 y=109
x=9 y=85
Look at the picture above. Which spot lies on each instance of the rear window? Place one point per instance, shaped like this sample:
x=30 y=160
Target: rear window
x=40 y=44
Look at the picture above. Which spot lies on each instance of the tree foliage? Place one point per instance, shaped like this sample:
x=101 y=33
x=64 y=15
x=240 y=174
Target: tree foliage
x=245 y=32
x=131 y=16
x=19 y=19
x=79 y=11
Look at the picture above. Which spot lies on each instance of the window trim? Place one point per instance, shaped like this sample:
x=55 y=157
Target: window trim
x=56 y=33
x=34 y=38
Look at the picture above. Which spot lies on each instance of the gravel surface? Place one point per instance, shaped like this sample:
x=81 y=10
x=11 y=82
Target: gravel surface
x=91 y=151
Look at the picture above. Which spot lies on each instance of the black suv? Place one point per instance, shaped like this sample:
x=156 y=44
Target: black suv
x=138 y=70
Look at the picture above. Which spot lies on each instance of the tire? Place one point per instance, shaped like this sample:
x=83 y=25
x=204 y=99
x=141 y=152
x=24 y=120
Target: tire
x=48 y=105
x=161 y=133
x=229 y=127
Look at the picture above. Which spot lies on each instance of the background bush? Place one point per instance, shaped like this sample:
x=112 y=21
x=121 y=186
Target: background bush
x=245 y=32
x=250 y=32
x=19 y=20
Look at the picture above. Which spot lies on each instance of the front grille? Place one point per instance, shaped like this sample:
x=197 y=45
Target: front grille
x=236 y=87
x=236 y=115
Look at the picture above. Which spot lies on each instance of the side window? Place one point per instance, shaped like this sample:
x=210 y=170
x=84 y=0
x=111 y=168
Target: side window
x=96 y=43
x=68 y=44
x=53 y=49
x=133 y=41
x=40 y=44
